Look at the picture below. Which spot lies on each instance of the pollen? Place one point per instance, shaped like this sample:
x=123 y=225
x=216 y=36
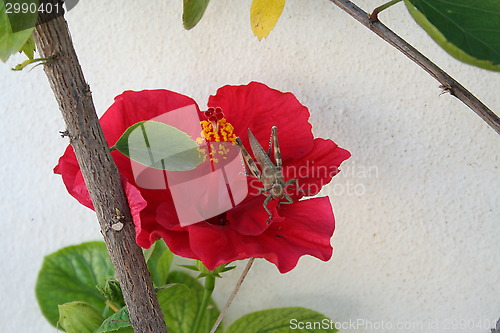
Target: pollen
x=202 y=153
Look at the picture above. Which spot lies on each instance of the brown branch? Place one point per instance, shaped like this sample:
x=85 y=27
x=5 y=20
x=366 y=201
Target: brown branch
x=447 y=82
x=100 y=173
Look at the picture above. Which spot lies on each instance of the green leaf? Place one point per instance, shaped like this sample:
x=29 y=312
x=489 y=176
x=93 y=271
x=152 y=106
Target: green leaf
x=70 y=274
x=29 y=48
x=172 y=293
x=199 y=267
x=264 y=15
x=119 y=322
x=193 y=11
x=112 y=291
x=79 y=317
x=283 y=320
x=159 y=146
x=22 y=14
x=180 y=315
x=159 y=263
x=148 y=252
x=467 y=30
x=11 y=39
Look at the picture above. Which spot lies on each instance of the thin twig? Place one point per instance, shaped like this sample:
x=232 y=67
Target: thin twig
x=447 y=82
x=233 y=294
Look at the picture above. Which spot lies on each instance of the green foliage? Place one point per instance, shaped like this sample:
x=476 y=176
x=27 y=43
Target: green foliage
x=199 y=267
x=182 y=299
x=29 y=48
x=79 y=317
x=159 y=260
x=467 y=30
x=38 y=61
x=112 y=292
x=11 y=39
x=22 y=14
x=283 y=320
x=159 y=146
x=72 y=274
x=67 y=290
x=180 y=315
x=193 y=11
x=119 y=322
x=172 y=293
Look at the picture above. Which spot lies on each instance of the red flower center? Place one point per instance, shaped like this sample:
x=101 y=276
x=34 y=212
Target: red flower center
x=217 y=128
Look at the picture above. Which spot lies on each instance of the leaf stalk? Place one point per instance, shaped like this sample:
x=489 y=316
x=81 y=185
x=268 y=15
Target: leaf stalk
x=376 y=11
x=207 y=296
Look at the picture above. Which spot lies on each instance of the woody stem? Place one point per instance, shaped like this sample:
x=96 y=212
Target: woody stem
x=99 y=171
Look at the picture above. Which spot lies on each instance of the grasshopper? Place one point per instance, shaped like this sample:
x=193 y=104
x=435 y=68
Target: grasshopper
x=271 y=175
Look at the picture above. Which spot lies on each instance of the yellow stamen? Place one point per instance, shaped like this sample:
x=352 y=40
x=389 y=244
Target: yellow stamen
x=223 y=131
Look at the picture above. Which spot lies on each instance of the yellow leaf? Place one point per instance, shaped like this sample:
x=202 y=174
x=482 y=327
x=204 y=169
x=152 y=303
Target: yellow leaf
x=263 y=16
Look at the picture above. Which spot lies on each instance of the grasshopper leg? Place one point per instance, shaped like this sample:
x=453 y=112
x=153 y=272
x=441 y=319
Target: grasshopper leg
x=288 y=202
x=276 y=148
x=290 y=182
x=268 y=199
x=249 y=162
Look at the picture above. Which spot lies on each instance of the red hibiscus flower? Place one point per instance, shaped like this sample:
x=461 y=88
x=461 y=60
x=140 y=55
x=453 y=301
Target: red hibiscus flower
x=303 y=227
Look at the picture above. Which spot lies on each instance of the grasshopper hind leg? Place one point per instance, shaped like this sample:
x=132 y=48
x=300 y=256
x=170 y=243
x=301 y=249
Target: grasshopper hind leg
x=266 y=202
x=276 y=148
x=249 y=162
x=288 y=202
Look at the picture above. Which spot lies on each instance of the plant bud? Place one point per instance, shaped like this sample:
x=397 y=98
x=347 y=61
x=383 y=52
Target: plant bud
x=79 y=317
x=112 y=291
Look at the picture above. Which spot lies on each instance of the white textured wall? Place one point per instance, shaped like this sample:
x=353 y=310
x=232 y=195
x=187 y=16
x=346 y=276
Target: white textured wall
x=417 y=236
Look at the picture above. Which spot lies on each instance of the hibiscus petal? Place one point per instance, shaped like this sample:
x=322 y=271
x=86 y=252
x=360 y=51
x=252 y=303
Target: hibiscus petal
x=159 y=220
x=250 y=218
x=135 y=201
x=307 y=229
x=72 y=177
x=134 y=106
x=129 y=108
x=304 y=227
x=316 y=169
x=258 y=107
